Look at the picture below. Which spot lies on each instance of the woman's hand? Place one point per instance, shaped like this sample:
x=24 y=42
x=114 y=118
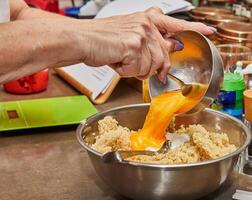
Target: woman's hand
x=137 y=44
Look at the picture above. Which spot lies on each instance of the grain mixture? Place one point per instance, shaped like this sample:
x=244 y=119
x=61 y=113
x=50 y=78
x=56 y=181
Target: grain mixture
x=203 y=145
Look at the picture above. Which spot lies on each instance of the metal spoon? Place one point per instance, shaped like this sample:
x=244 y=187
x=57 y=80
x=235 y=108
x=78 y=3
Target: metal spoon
x=119 y=156
x=187 y=89
x=191 y=90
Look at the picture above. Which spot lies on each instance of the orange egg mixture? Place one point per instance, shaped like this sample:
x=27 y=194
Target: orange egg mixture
x=162 y=109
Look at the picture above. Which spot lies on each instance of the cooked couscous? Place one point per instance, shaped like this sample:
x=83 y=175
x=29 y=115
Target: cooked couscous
x=203 y=145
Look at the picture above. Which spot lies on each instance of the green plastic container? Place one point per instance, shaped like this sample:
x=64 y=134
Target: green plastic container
x=234 y=82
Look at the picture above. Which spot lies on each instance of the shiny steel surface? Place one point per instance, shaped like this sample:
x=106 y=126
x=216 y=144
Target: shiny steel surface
x=153 y=181
x=198 y=62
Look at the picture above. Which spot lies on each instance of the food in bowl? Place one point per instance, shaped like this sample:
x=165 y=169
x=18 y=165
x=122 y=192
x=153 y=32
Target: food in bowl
x=163 y=108
x=158 y=181
x=203 y=144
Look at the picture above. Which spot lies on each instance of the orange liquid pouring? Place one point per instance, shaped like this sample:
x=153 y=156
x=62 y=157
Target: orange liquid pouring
x=162 y=109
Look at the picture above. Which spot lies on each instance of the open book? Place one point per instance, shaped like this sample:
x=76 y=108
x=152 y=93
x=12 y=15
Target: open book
x=123 y=7
x=95 y=82
x=99 y=82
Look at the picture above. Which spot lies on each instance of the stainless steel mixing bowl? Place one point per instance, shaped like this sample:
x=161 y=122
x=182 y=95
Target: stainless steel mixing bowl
x=153 y=181
x=198 y=62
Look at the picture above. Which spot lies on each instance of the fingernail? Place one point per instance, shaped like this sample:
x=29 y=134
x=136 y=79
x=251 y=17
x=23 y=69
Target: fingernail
x=212 y=29
x=179 y=46
x=164 y=80
x=161 y=78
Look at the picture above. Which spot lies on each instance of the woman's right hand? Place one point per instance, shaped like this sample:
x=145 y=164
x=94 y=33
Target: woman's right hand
x=136 y=45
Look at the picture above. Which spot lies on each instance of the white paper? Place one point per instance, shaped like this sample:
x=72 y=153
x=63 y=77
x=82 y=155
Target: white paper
x=120 y=7
x=95 y=79
x=89 y=9
x=108 y=84
x=4 y=11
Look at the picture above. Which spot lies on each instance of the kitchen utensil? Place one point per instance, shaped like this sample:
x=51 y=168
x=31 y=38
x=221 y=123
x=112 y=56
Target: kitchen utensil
x=199 y=62
x=189 y=90
x=157 y=181
x=118 y=156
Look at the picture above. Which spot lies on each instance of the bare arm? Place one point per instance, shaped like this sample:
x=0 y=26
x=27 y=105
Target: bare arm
x=131 y=44
x=28 y=46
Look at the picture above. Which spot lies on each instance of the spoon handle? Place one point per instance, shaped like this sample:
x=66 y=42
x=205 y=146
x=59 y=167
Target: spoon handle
x=180 y=82
x=127 y=154
x=119 y=156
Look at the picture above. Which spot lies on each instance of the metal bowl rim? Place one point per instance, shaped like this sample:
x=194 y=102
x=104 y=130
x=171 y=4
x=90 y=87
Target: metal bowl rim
x=166 y=166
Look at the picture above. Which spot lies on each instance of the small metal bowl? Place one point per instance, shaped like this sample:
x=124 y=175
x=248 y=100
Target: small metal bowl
x=156 y=181
x=198 y=62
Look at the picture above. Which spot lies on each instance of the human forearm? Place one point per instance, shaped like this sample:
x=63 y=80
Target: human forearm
x=133 y=44
x=32 y=45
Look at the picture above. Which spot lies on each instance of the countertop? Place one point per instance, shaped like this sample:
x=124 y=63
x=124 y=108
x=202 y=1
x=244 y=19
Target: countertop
x=51 y=165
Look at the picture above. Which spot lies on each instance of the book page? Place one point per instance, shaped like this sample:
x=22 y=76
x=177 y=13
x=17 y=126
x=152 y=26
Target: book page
x=95 y=79
x=121 y=7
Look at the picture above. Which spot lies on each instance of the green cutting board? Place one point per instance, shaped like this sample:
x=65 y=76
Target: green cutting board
x=50 y=112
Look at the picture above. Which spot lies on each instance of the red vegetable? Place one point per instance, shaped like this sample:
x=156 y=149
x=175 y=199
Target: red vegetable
x=29 y=84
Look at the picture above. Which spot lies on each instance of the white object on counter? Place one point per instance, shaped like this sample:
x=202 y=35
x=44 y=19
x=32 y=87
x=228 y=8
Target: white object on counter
x=95 y=79
x=247 y=70
x=242 y=195
x=4 y=11
x=91 y=8
x=121 y=7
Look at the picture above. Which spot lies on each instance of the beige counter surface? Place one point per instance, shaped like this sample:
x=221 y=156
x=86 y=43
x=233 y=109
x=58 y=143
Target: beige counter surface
x=51 y=165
